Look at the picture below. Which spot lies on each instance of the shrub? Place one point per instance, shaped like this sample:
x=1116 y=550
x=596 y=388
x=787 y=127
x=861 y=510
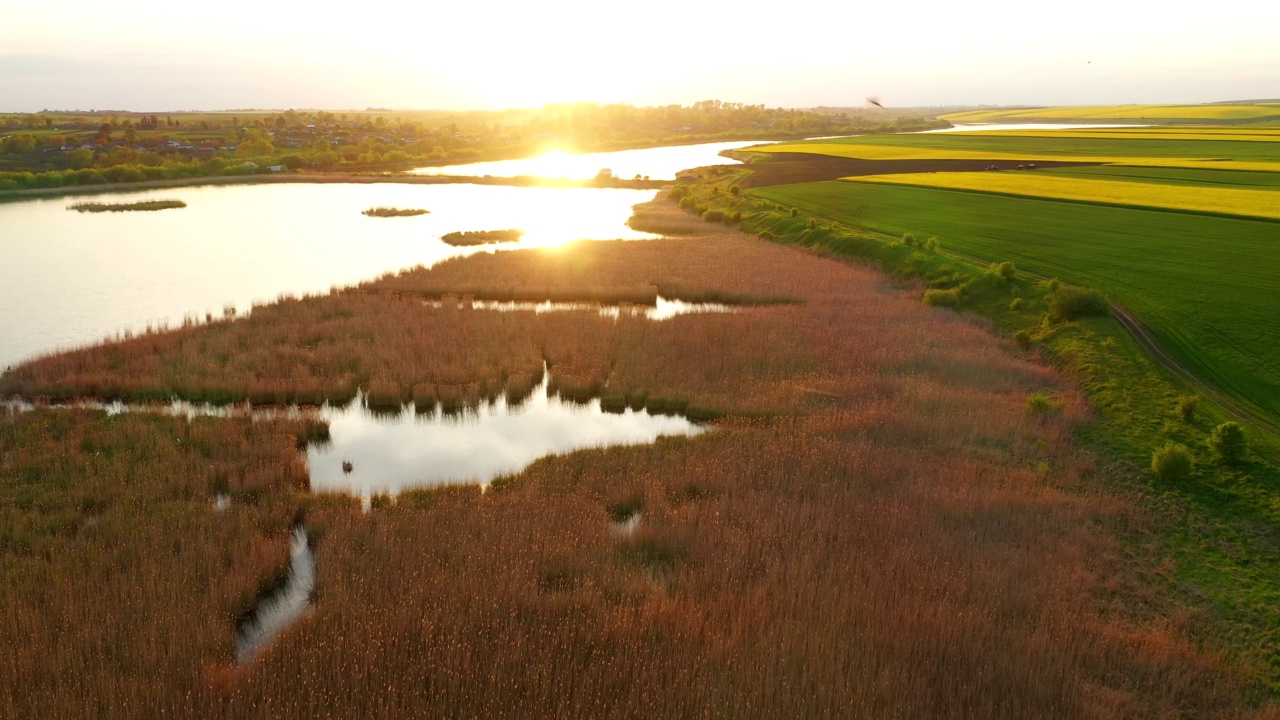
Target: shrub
x=1228 y=443
x=942 y=298
x=1187 y=405
x=679 y=193
x=1005 y=270
x=909 y=239
x=713 y=216
x=1070 y=302
x=795 y=212
x=735 y=191
x=687 y=203
x=931 y=244
x=1023 y=338
x=1172 y=462
x=736 y=218
x=1015 y=304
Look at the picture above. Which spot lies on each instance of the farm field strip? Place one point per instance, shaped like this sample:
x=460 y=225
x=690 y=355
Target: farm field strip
x=1170 y=176
x=1214 y=309
x=1065 y=146
x=1128 y=112
x=868 y=151
x=1138 y=134
x=1222 y=201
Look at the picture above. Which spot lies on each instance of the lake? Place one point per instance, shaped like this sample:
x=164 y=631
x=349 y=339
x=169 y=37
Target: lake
x=75 y=278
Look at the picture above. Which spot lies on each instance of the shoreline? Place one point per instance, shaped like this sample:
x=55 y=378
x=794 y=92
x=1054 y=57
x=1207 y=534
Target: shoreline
x=325 y=178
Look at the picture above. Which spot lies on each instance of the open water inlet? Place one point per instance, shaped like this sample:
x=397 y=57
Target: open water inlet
x=283 y=605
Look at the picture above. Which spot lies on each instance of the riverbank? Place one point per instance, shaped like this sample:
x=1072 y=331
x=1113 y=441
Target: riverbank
x=321 y=178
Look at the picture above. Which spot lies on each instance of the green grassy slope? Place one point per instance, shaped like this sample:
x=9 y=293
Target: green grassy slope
x=1207 y=286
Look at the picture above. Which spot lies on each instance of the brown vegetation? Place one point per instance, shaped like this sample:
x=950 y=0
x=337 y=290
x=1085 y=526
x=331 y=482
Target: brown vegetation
x=899 y=536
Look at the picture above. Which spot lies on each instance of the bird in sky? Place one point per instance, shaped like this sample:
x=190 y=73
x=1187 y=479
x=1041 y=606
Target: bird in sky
x=875 y=101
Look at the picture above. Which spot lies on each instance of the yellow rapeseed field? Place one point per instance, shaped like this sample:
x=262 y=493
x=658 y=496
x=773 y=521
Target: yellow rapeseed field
x=1252 y=203
x=896 y=152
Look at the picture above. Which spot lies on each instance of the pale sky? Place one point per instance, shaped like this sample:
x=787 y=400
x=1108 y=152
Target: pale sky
x=151 y=56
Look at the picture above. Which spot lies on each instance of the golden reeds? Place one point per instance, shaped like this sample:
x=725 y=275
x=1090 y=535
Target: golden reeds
x=879 y=527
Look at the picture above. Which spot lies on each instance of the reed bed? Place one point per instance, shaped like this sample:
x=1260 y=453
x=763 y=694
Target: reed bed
x=878 y=527
x=393 y=212
x=468 y=238
x=144 y=206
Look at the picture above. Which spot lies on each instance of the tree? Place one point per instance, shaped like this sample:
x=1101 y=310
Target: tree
x=80 y=158
x=23 y=143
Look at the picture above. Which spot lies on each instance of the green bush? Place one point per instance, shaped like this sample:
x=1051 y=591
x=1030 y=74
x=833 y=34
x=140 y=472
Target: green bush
x=1172 y=462
x=713 y=216
x=795 y=212
x=1015 y=304
x=679 y=193
x=909 y=239
x=1023 y=338
x=1228 y=443
x=931 y=244
x=1005 y=270
x=687 y=203
x=942 y=298
x=1070 y=302
x=1187 y=405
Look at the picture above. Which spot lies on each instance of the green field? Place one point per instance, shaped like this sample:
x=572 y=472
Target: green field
x=1191 y=197
x=1123 y=112
x=1205 y=285
x=1172 y=176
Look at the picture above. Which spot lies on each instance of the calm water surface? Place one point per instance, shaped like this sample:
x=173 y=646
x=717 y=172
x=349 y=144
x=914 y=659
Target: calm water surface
x=660 y=163
x=411 y=450
x=75 y=278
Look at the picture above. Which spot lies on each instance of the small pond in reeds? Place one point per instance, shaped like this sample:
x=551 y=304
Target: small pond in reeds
x=370 y=453
x=75 y=278
x=389 y=453
x=663 y=309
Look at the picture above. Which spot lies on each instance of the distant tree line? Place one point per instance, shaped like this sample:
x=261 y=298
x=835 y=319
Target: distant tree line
x=60 y=149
